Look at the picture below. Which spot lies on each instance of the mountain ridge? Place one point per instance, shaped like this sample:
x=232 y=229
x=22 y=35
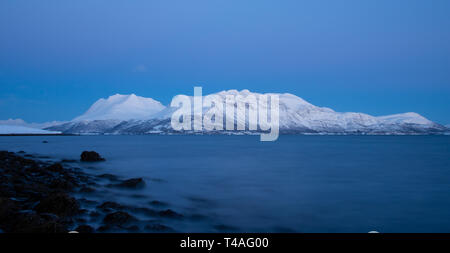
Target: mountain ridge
x=296 y=116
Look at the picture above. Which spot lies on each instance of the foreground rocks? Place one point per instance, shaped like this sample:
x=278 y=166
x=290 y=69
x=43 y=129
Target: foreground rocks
x=37 y=197
x=34 y=195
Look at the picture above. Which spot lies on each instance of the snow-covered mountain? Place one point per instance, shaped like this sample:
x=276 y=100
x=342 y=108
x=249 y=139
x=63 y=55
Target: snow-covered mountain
x=128 y=114
x=122 y=107
x=21 y=122
x=11 y=129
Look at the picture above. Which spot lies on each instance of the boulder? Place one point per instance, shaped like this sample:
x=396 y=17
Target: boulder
x=118 y=218
x=91 y=156
x=60 y=204
x=131 y=183
x=169 y=213
x=108 y=176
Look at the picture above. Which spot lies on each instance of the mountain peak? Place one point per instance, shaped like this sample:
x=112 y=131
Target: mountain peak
x=122 y=107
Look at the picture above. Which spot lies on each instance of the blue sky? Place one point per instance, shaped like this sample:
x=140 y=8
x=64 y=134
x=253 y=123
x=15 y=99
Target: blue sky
x=378 y=57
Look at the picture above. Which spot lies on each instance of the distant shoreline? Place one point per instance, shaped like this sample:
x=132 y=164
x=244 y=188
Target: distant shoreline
x=228 y=134
x=37 y=134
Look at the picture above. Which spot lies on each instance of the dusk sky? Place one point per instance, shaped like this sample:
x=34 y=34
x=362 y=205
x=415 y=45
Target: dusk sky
x=377 y=57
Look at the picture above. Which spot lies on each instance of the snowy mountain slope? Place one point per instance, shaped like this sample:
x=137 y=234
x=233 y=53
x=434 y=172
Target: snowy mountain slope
x=21 y=122
x=86 y=126
x=11 y=129
x=296 y=116
x=122 y=107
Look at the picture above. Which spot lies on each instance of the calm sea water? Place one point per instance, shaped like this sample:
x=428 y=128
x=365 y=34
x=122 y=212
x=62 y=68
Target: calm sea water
x=296 y=184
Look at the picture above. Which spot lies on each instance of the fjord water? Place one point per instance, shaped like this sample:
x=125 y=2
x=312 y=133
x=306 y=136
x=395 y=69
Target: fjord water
x=295 y=184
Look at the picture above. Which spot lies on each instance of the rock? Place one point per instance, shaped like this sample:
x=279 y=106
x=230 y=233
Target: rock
x=34 y=195
x=21 y=152
x=59 y=203
x=86 y=189
x=104 y=228
x=94 y=214
x=118 y=218
x=158 y=228
x=109 y=205
x=108 y=176
x=81 y=220
x=169 y=213
x=68 y=161
x=88 y=202
x=61 y=184
x=158 y=203
x=131 y=183
x=144 y=210
x=133 y=228
x=44 y=141
x=91 y=156
x=8 y=209
x=56 y=167
x=84 y=229
x=34 y=223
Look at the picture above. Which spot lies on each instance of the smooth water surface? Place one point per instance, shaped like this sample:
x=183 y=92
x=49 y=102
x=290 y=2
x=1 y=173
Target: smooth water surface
x=295 y=184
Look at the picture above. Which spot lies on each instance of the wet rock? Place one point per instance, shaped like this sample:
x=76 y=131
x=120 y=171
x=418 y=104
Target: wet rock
x=109 y=206
x=108 y=176
x=158 y=228
x=68 y=161
x=158 y=203
x=94 y=214
x=34 y=223
x=56 y=167
x=133 y=228
x=60 y=204
x=224 y=228
x=169 y=213
x=44 y=141
x=21 y=152
x=91 y=156
x=88 y=202
x=80 y=220
x=8 y=209
x=60 y=183
x=84 y=229
x=87 y=189
x=104 y=228
x=144 y=210
x=132 y=183
x=139 y=196
x=118 y=218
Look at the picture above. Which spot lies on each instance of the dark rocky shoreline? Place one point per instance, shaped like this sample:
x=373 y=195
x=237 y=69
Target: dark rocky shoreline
x=39 y=197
